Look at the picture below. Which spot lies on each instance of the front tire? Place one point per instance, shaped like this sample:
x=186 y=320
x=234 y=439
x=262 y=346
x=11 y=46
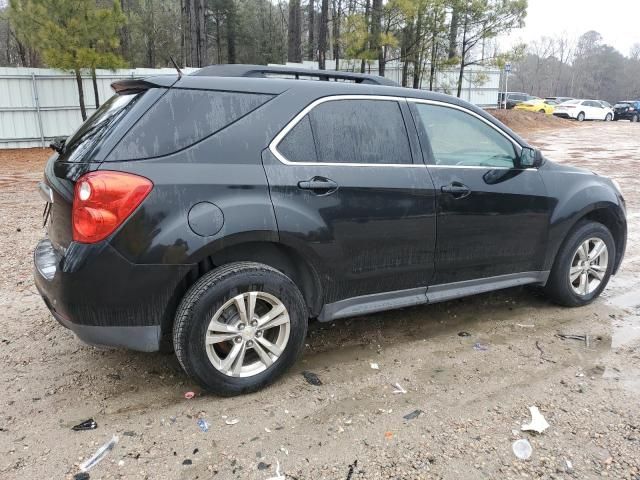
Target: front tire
x=607 y=118
x=583 y=265
x=634 y=119
x=239 y=328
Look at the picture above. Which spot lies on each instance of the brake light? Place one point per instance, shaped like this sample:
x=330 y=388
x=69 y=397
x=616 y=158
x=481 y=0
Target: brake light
x=103 y=200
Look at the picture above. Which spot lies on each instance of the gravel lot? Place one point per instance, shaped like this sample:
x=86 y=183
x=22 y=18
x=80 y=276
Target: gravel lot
x=473 y=402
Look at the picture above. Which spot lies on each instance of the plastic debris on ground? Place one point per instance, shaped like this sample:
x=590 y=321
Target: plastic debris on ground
x=81 y=476
x=86 y=425
x=412 y=415
x=375 y=366
x=97 y=457
x=312 y=378
x=279 y=476
x=203 y=425
x=189 y=395
x=233 y=421
x=480 y=347
x=521 y=325
x=263 y=466
x=388 y=435
x=522 y=449
x=568 y=465
x=398 y=388
x=187 y=461
x=464 y=334
x=538 y=422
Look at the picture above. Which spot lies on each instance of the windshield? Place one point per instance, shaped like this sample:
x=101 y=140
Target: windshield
x=82 y=142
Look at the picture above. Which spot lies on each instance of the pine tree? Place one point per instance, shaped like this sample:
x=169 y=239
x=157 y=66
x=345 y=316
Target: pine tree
x=70 y=35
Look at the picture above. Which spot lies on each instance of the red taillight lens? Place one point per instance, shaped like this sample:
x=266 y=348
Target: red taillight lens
x=103 y=200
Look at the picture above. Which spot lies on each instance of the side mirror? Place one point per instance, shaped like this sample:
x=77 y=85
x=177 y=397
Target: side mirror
x=530 y=158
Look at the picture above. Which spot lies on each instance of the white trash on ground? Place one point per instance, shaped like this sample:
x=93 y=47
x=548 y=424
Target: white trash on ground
x=97 y=457
x=538 y=422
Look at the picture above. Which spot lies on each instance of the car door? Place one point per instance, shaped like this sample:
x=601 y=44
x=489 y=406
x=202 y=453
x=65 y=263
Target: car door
x=347 y=192
x=492 y=216
x=596 y=111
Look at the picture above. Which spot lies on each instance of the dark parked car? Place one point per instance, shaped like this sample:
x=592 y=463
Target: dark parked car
x=221 y=213
x=627 y=110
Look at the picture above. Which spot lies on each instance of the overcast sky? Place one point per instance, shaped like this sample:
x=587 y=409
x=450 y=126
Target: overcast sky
x=617 y=21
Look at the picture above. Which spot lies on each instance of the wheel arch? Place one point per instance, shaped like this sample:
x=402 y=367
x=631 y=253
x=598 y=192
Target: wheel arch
x=283 y=258
x=608 y=214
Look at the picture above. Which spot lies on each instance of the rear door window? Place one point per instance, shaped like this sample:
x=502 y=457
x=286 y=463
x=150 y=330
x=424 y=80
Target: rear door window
x=181 y=118
x=350 y=132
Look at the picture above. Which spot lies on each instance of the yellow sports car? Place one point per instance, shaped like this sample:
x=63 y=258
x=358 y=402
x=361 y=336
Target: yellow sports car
x=537 y=105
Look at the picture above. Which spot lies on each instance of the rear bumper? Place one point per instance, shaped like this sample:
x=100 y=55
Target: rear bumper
x=105 y=299
x=562 y=115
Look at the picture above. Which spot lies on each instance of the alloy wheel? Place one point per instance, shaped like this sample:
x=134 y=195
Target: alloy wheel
x=588 y=266
x=247 y=334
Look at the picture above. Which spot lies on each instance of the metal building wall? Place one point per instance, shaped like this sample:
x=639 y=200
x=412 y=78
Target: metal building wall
x=37 y=105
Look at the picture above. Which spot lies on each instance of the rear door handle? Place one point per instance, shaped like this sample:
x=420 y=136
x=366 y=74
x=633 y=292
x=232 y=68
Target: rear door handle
x=319 y=185
x=457 y=189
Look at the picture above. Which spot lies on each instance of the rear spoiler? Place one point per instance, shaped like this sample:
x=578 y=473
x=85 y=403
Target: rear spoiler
x=135 y=85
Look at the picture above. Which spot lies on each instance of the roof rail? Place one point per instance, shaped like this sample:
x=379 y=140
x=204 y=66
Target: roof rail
x=263 y=71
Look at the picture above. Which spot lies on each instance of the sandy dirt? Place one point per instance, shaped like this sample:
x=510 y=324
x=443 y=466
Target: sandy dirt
x=473 y=401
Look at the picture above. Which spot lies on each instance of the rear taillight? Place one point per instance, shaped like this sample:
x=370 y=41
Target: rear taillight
x=103 y=200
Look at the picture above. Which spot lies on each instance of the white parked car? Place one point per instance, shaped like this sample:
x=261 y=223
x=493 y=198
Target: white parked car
x=584 y=110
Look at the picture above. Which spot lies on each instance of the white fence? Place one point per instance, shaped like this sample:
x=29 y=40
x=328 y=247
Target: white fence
x=37 y=105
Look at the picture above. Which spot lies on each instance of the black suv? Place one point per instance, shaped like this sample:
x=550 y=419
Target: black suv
x=221 y=213
x=627 y=110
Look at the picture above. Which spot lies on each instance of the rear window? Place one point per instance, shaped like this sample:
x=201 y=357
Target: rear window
x=622 y=104
x=181 y=118
x=82 y=143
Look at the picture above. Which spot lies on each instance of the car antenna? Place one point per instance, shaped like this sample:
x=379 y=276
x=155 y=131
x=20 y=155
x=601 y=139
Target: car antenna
x=176 y=67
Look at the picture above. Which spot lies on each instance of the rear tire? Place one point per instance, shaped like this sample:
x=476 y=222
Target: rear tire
x=565 y=282
x=225 y=347
x=541 y=111
x=580 y=117
x=634 y=119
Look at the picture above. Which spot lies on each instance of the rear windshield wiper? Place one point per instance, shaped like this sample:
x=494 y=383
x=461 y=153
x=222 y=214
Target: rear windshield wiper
x=58 y=144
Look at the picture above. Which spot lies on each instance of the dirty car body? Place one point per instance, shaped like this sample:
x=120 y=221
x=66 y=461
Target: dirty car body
x=361 y=197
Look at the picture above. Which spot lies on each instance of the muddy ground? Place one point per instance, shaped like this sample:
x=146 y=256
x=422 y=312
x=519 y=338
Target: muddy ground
x=352 y=426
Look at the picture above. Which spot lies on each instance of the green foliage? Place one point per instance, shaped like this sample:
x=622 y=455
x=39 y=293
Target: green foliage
x=69 y=34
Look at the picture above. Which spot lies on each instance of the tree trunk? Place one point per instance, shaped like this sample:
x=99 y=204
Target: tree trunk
x=83 y=110
x=125 y=36
x=311 y=48
x=322 y=40
x=202 y=35
x=376 y=44
x=367 y=14
x=183 y=31
x=294 y=32
x=96 y=95
x=231 y=32
x=453 y=31
x=417 y=55
x=463 y=54
x=337 y=6
x=434 y=50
